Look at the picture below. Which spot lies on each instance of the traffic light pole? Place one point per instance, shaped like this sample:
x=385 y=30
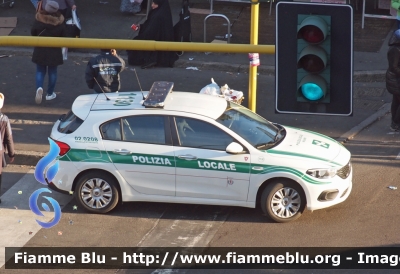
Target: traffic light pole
x=253 y=41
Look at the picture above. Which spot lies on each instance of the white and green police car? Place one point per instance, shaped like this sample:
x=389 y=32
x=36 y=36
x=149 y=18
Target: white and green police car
x=181 y=147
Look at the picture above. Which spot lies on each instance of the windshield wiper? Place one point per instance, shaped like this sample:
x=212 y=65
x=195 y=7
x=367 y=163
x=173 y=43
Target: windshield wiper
x=265 y=145
x=270 y=144
x=278 y=133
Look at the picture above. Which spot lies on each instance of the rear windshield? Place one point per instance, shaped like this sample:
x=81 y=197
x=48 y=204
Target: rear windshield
x=69 y=123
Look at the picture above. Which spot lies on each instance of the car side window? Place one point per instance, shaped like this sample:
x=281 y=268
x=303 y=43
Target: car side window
x=112 y=130
x=199 y=134
x=144 y=129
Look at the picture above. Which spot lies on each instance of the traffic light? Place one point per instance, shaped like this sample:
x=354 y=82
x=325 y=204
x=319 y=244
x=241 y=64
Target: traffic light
x=314 y=58
x=313 y=46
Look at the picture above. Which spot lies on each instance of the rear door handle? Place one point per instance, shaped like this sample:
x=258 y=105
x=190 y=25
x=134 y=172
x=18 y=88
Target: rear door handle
x=122 y=151
x=187 y=157
x=257 y=168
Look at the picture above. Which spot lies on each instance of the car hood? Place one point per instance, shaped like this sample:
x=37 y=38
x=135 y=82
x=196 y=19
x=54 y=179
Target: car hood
x=301 y=143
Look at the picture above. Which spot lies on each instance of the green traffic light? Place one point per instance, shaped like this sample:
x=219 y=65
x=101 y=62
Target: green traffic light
x=313 y=87
x=312 y=91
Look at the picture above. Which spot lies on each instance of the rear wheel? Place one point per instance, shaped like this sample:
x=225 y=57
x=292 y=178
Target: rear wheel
x=97 y=192
x=283 y=201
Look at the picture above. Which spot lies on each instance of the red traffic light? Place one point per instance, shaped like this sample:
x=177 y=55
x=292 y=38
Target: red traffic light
x=312 y=34
x=313 y=29
x=313 y=59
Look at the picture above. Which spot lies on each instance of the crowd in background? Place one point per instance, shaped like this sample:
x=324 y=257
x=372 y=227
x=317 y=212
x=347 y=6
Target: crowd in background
x=103 y=71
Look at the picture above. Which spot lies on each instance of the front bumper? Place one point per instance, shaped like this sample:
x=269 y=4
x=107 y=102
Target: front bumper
x=343 y=186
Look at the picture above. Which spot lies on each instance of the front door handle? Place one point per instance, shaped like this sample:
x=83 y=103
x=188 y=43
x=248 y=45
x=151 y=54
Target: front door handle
x=187 y=157
x=257 y=168
x=122 y=151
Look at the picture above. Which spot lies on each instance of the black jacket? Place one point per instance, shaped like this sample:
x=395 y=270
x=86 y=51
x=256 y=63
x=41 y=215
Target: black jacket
x=105 y=68
x=51 y=25
x=393 y=71
x=157 y=27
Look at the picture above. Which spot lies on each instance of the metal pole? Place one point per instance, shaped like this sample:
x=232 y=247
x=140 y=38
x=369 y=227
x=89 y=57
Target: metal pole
x=363 y=14
x=253 y=69
x=217 y=15
x=120 y=44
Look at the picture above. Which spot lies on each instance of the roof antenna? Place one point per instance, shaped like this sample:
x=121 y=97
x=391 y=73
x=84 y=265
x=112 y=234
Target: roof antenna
x=108 y=99
x=139 y=83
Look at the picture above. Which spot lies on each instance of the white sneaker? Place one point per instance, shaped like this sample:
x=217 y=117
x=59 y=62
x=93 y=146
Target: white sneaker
x=39 y=93
x=51 y=97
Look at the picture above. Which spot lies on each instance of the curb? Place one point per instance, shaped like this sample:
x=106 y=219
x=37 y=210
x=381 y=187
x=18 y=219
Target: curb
x=370 y=120
x=369 y=76
x=27 y=158
x=228 y=67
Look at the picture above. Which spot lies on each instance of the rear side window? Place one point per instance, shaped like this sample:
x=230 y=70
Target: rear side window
x=144 y=129
x=148 y=129
x=112 y=130
x=69 y=123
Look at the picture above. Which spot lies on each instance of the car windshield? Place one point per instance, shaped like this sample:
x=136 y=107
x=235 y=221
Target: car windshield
x=259 y=132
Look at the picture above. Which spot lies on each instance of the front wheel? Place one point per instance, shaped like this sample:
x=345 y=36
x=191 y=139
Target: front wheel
x=283 y=201
x=97 y=192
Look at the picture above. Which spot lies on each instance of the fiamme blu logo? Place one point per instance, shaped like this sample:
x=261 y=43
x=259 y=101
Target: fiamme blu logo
x=46 y=170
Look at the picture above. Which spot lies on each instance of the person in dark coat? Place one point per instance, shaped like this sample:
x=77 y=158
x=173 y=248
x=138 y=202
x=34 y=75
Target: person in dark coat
x=6 y=138
x=49 y=22
x=393 y=78
x=102 y=71
x=158 y=27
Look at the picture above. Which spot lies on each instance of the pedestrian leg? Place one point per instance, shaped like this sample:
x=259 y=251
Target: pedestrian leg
x=396 y=109
x=395 y=112
x=52 y=79
x=40 y=74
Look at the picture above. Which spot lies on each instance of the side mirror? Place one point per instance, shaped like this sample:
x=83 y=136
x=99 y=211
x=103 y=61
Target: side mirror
x=234 y=148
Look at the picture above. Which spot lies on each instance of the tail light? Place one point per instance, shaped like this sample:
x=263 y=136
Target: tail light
x=64 y=148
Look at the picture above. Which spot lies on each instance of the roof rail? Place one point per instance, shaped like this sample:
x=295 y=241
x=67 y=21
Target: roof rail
x=157 y=94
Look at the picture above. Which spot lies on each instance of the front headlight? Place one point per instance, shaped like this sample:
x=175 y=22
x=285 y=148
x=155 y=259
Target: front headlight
x=322 y=173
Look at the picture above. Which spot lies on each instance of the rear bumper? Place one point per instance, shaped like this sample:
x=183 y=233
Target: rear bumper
x=53 y=187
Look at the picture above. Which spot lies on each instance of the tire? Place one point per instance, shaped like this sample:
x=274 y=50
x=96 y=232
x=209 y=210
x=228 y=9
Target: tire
x=97 y=192
x=276 y=194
